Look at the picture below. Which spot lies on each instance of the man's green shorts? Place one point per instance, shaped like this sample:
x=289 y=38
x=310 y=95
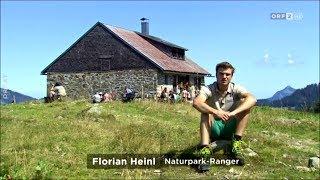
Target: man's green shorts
x=221 y=130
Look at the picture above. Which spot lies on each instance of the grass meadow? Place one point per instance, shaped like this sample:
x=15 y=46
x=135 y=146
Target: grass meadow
x=52 y=140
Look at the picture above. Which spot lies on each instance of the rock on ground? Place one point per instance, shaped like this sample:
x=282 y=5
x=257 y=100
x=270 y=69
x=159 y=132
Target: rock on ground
x=95 y=109
x=314 y=162
x=250 y=152
x=220 y=144
x=302 y=168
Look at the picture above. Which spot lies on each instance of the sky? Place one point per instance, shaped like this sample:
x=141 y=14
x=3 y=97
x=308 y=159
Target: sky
x=268 y=54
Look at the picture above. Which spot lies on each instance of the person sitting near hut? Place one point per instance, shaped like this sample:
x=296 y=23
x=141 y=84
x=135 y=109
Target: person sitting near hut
x=185 y=95
x=186 y=86
x=164 y=94
x=57 y=91
x=107 y=97
x=97 y=97
x=171 y=96
x=128 y=95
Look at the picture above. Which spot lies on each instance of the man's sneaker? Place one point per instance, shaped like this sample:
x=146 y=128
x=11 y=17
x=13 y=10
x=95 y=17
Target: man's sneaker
x=204 y=152
x=237 y=152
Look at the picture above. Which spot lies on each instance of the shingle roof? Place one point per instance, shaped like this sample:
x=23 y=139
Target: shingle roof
x=162 y=60
x=161 y=41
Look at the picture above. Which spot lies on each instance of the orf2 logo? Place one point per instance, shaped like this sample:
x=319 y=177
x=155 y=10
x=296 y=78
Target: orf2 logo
x=286 y=16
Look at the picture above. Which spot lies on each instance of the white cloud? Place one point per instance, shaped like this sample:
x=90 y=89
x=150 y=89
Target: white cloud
x=266 y=57
x=290 y=59
x=267 y=60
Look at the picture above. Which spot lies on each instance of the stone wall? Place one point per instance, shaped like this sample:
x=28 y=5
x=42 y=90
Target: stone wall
x=161 y=79
x=84 y=85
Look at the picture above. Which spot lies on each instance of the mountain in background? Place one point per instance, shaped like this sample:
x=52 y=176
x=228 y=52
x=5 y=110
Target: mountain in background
x=7 y=97
x=300 y=99
x=283 y=93
x=287 y=91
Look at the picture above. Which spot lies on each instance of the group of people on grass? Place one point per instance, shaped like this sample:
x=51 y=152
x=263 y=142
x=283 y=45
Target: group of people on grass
x=181 y=92
x=128 y=95
x=103 y=97
x=58 y=92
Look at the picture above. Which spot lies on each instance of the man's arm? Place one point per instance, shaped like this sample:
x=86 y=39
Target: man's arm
x=200 y=104
x=249 y=101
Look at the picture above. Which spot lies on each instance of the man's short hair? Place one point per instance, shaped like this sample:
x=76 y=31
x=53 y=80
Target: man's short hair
x=225 y=65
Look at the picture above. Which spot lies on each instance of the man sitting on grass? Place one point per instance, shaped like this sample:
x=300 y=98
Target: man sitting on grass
x=57 y=91
x=225 y=109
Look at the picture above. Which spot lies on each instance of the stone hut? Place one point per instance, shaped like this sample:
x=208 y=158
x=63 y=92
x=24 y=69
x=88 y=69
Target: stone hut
x=108 y=58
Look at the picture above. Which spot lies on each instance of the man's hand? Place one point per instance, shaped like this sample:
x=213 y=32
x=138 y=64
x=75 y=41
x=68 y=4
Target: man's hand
x=200 y=104
x=223 y=115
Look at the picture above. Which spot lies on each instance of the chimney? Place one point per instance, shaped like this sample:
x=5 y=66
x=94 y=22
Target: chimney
x=145 y=26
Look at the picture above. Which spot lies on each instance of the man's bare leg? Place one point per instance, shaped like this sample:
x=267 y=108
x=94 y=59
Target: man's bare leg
x=205 y=128
x=243 y=118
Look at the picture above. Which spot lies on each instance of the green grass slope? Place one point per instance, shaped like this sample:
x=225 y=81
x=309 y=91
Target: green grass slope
x=52 y=140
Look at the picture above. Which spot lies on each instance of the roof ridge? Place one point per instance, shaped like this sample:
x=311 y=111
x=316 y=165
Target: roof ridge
x=161 y=40
x=154 y=38
x=118 y=27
